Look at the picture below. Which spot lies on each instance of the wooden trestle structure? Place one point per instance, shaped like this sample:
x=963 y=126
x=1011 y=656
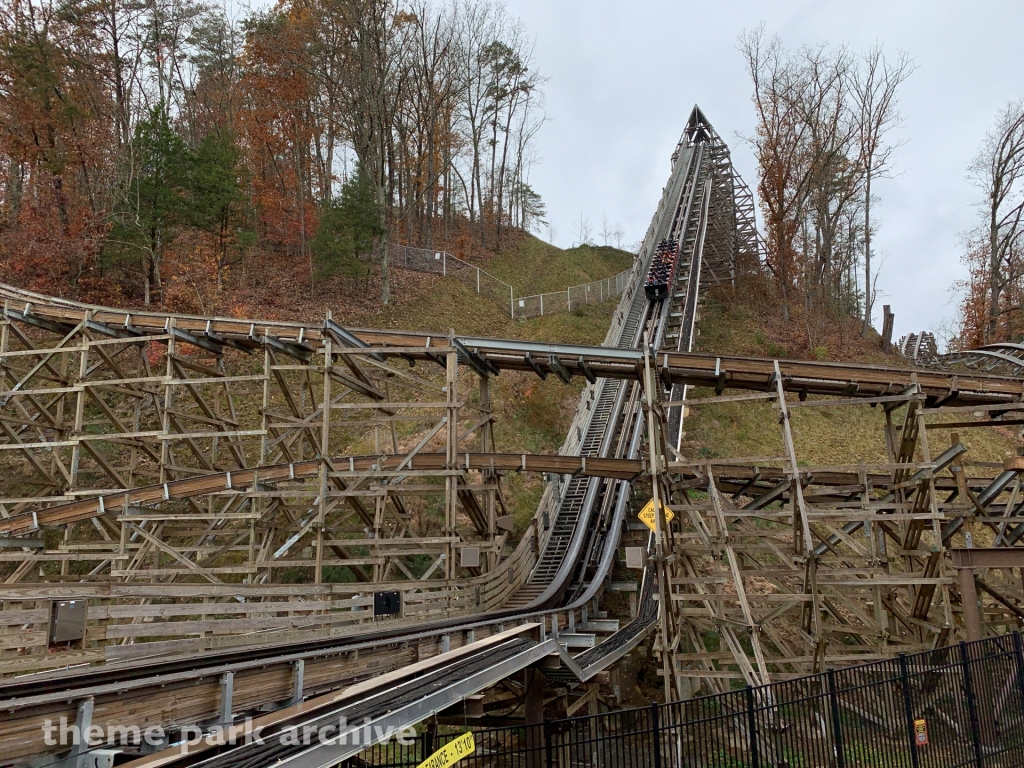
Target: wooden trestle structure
x=795 y=568
x=207 y=483
x=161 y=472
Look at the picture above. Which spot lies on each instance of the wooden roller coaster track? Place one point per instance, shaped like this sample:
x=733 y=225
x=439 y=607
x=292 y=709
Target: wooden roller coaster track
x=233 y=494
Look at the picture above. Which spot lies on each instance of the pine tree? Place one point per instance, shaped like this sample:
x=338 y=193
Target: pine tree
x=350 y=226
x=153 y=199
x=215 y=201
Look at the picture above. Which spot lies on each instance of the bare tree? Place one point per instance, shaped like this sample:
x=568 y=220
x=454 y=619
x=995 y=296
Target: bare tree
x=998 y=171
x=581 y=226
x=480 y=23
x=821 y=93
x=607 y=229
x=875 y=81
x=823 y=116
x=120 y=35
x=501 y=99
x=434 y=94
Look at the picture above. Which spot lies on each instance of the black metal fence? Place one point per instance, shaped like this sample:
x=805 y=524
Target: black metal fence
x=961 y=705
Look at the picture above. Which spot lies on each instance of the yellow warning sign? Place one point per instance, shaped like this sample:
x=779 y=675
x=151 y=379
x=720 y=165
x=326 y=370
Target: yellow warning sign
x=647 y=515
x=451 y=752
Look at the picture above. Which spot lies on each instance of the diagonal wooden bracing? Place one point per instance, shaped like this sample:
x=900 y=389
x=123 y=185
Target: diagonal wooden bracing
x=158 y=461
x=792 y=569
x=779 y=569
x=91 y=409
x=214 y=482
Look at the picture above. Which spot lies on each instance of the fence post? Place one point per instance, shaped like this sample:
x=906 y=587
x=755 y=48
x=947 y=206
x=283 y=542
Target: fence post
x=837 y=727
x=568 y=301
x=511 y=302
x=478 y=279
x=656 y=734
x=548 y=761
x=972 y=704
x=542 y=305
x=1018 y=652
x=908 y=709
x=755 y=760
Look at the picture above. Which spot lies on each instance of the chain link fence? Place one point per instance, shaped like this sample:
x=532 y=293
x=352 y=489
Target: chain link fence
x=444 y=264
x=572 y=297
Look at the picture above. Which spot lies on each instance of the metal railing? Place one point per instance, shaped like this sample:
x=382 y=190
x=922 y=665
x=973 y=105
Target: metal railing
x=962 y=705
x=483 y=282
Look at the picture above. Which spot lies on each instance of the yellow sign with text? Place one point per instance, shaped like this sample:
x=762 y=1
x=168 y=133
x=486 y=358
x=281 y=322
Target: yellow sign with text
x=647 y=515
x=451 y=752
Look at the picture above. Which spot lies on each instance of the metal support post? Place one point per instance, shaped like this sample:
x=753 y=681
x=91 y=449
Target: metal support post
x=298 y=680
x=655 y=736
x=227 y=692
x=755 y=760
x=79 y=757
x=972 y=704
x=837 y=725
x=908 y=710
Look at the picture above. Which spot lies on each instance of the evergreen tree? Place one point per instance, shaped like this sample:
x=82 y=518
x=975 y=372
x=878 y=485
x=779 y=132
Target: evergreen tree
x=350 y=226
x=152 y=199
x=215 y=202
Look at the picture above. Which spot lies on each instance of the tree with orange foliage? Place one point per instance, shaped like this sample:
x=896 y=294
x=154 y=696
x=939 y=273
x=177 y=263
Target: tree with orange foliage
x=54 y=135
x=140 y=138
x=275 y=130
x=822 y=115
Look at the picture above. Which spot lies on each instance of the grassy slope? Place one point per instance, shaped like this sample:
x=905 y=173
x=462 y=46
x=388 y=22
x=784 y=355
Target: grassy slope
x=532 y=415
x=823 y=436
x=539 y=267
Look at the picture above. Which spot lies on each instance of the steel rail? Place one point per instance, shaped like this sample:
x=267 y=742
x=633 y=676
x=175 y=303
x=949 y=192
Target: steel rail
x=425 y=682
x=380 y=709
x=614 y=647
x=628 y=637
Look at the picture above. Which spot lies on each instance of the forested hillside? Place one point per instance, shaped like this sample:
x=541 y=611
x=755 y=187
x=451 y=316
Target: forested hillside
x=152 y=152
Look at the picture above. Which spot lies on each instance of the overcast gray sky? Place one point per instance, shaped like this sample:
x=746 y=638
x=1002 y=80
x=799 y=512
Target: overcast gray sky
x=625 y=75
